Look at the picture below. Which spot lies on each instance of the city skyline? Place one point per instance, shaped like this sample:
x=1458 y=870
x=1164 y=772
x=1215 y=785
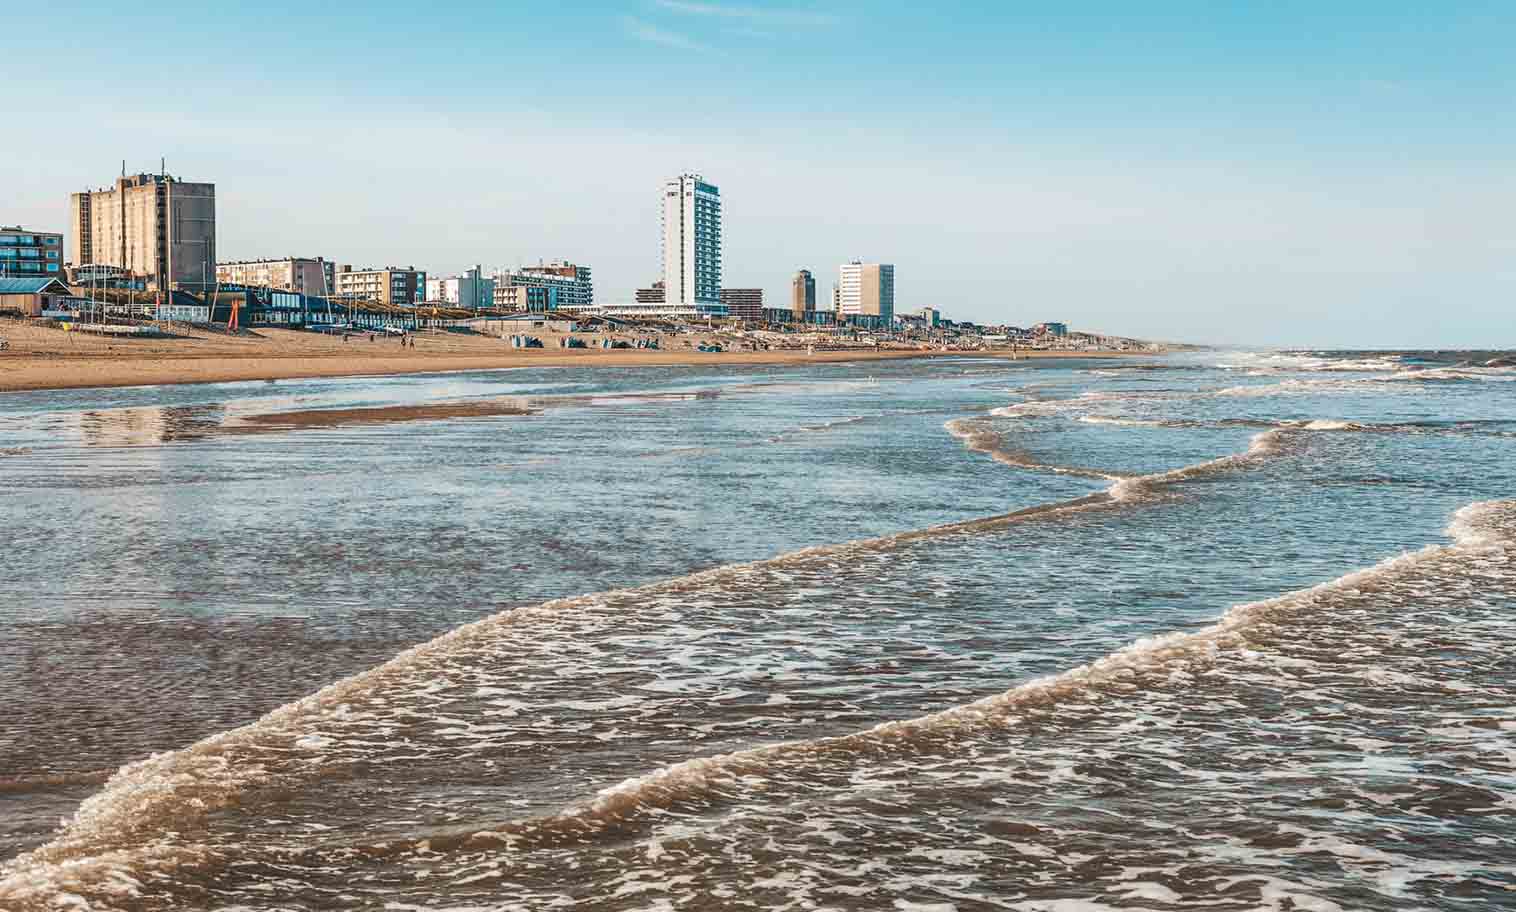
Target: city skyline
x=1282 y=176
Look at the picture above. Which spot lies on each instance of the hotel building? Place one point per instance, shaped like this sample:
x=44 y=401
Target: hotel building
x=866 y=289
x=692 y=246
x=30 y=254
x=312 y=276
x=152 y=225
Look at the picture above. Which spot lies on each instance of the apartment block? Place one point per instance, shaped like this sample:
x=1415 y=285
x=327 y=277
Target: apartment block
x=30 y=254
x=573 y=288
x=390 y=285
x=530 y=298
x=306 y=275
x=743 y=303
x=151 y=225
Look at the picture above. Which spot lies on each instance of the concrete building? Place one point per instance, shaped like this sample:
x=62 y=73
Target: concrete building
x=30 y=254
x=152 y=225
x=802 y=293
x=390 y=285
x=572 y=286
x=931 y=316
x=472 y=290
x=653 y=295
x=306 y=275
x=743 y=303
x=866 y=289
x=692 y=245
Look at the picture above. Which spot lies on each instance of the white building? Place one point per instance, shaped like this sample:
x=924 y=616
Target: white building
x=692 y=246
x=866 y=289
x=472 y=290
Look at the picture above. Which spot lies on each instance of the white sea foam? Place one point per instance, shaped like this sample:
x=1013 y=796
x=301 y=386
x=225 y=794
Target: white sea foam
x=1475 y=527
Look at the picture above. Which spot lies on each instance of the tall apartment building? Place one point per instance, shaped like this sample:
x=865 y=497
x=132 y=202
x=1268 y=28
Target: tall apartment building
x=866 y=289
x=802 y=293
x=153 y=225
x=743 y=303
x=472 y=290
x=306 y=275
x=30 y=253
x=573 y=287
x=390 y=285
x=692 y=245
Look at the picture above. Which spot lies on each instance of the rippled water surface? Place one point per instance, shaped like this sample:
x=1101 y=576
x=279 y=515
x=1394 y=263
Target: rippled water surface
x=1220 y=631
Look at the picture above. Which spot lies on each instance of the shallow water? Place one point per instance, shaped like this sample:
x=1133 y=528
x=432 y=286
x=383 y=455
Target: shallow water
x=1217 y=631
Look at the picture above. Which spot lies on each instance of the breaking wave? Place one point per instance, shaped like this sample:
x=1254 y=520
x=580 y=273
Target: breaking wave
x=1478 y=527
x=88 y=852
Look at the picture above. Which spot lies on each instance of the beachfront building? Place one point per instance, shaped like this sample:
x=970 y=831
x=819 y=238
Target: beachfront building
x=866 y=289
x=30 y=296
x=527 y=298
x=389 y=285
x=692 y=245
x=571 y=285
x=743 y=303
x=471 y=291
x=653 y=295
x=930 y=316
x=152 y=225
x=30 y=254
x=802 y=293
x=306 y=275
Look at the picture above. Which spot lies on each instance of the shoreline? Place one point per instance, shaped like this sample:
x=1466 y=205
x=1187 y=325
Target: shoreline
x=33 y=372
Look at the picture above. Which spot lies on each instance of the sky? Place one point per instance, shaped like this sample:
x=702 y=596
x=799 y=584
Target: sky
x=1284 y=174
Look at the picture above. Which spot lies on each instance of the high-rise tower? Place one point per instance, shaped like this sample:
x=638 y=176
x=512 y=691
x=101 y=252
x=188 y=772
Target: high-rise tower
x=692 y=245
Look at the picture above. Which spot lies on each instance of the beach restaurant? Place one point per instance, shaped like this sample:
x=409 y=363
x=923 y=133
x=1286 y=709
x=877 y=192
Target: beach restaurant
x=29 y=297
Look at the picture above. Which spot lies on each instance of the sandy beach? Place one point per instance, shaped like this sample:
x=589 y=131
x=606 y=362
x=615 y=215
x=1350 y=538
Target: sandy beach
x=39 y=357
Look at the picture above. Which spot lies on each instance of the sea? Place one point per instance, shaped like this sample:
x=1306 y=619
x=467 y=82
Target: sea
x=1219 y=630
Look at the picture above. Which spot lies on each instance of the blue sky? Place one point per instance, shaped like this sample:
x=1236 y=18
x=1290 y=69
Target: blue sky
x=1283 y=173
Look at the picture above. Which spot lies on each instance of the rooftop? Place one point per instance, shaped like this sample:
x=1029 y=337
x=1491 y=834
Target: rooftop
x=34 y=285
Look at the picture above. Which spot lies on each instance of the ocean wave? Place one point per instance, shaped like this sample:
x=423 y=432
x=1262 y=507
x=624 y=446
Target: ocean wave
x=1478 y=532
x=1263 y=445
x=88 y=854
x=981 y=439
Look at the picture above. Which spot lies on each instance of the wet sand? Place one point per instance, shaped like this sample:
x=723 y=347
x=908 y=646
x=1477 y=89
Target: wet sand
x=41 y=358
x=387 y=414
